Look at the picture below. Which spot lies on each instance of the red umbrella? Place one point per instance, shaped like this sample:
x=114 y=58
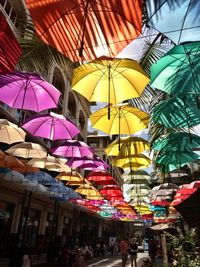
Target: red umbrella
x=101 y=178
x=10 y=51
x=111 y=191
x=87 y=29
x=160 y=202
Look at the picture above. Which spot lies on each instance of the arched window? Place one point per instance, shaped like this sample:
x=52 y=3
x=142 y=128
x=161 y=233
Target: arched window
x=58 y=81
x=72 y=105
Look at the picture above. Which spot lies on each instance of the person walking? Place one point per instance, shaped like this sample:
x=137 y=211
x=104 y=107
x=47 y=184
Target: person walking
x=79 y=260
x=133 y=250
x=124 y=251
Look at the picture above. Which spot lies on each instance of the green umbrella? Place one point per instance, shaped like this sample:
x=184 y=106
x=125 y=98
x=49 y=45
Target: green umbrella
x=177 y=141
x=177 y=112
x=178 y=70
x=172 y=161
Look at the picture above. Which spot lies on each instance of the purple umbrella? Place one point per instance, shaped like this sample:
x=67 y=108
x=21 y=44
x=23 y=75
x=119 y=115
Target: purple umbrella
x=51 y=126
x=88 y=163
x=27 y=91
x=72 y=148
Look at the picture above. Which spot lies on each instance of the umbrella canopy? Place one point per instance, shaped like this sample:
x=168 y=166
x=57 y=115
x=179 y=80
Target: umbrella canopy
x=128 y=146
x=136 y=175
x=72 y=148
x=177 y=112
x=28 y=91
x=87 y=29
x=101 y=178
x=103 y=79
x=189 y=208
x=41 y=177
x=87 y=190
x=36 y=187
x=25 y=168
x=137 y=159
x=163 y=16
x=177 y=141
x=176 y=159
x=111 y=191
x=27 y=150
x=177 y=71
x=69 y=176
x=10 y=50
x=49 y=163
x=51 y=126
x=87 y=163
x=10 y=162
x=13 y=176
x=124 y=119
x=10 y=133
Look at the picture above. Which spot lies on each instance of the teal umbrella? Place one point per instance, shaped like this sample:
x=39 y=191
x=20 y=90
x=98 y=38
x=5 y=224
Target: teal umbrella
x=172 y=161
x=178 y=70
x=177 y=141
x=177 y=112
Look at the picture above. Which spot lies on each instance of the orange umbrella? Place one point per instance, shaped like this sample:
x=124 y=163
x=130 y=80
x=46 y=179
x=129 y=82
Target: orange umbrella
x=87 y=29
x=10 y=162
x=25 y=168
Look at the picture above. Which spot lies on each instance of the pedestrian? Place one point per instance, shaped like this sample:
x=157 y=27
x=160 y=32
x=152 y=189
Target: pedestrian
x=133 y=250
x=26 y=261
x=124 y=251
x=152 y=250
x=116 y=248
x=79 y=260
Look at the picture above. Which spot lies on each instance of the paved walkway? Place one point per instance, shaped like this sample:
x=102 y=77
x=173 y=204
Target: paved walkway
x=116 y=261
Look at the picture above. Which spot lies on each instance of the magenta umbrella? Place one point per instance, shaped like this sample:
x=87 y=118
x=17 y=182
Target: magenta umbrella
x=27 y=91
x=88 y=163
x=72 y=148
x=51 y=126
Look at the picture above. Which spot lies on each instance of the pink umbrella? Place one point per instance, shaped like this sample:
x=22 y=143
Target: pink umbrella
x=88 y=163
x=72 y=148
x=51 y=126
x=28 y=91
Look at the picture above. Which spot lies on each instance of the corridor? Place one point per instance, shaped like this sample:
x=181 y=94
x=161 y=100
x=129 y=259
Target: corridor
x=116 y=261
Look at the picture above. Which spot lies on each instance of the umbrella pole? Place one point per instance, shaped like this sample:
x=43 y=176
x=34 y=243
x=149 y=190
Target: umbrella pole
x=84 y=28
x=119 y=129
x=187 y=119
x=109 y=77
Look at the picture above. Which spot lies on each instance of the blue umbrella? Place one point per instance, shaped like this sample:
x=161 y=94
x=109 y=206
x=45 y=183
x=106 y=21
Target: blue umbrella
x=42 y=178
x=179 y=20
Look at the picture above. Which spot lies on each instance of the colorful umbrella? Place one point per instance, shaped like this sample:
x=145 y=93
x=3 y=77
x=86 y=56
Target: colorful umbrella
x=103 y=79
x=124 y=119
x=10 y=133
x=69 y=176
x=87 y=29
x=111 y=191
x=177 y=112
x=177 y=71
x=162 y=15
x=28 y=91
x=101 y=178
x=13 y=176
x=72 y=148
x=49 y=163
x=87 y=163
x=27 y=150
x=87 y=190
x=174 y=160
x=53 y=127
x=140 y=159
x=41 y=177
x=139 y=176
x=25 y=168
x=127 y=146
x=181 y=141
x=10 y=162
x=10 y=50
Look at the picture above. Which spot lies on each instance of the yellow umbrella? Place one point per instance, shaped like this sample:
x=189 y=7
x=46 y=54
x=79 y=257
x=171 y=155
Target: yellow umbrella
x=124 y=119
x=87 y=190
x=69 y=176
x=109 y=80
x=10 y=133
x=49 y=163
x=127 y=146
x=27 y=150
x=95 y=197
x=140 y=160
